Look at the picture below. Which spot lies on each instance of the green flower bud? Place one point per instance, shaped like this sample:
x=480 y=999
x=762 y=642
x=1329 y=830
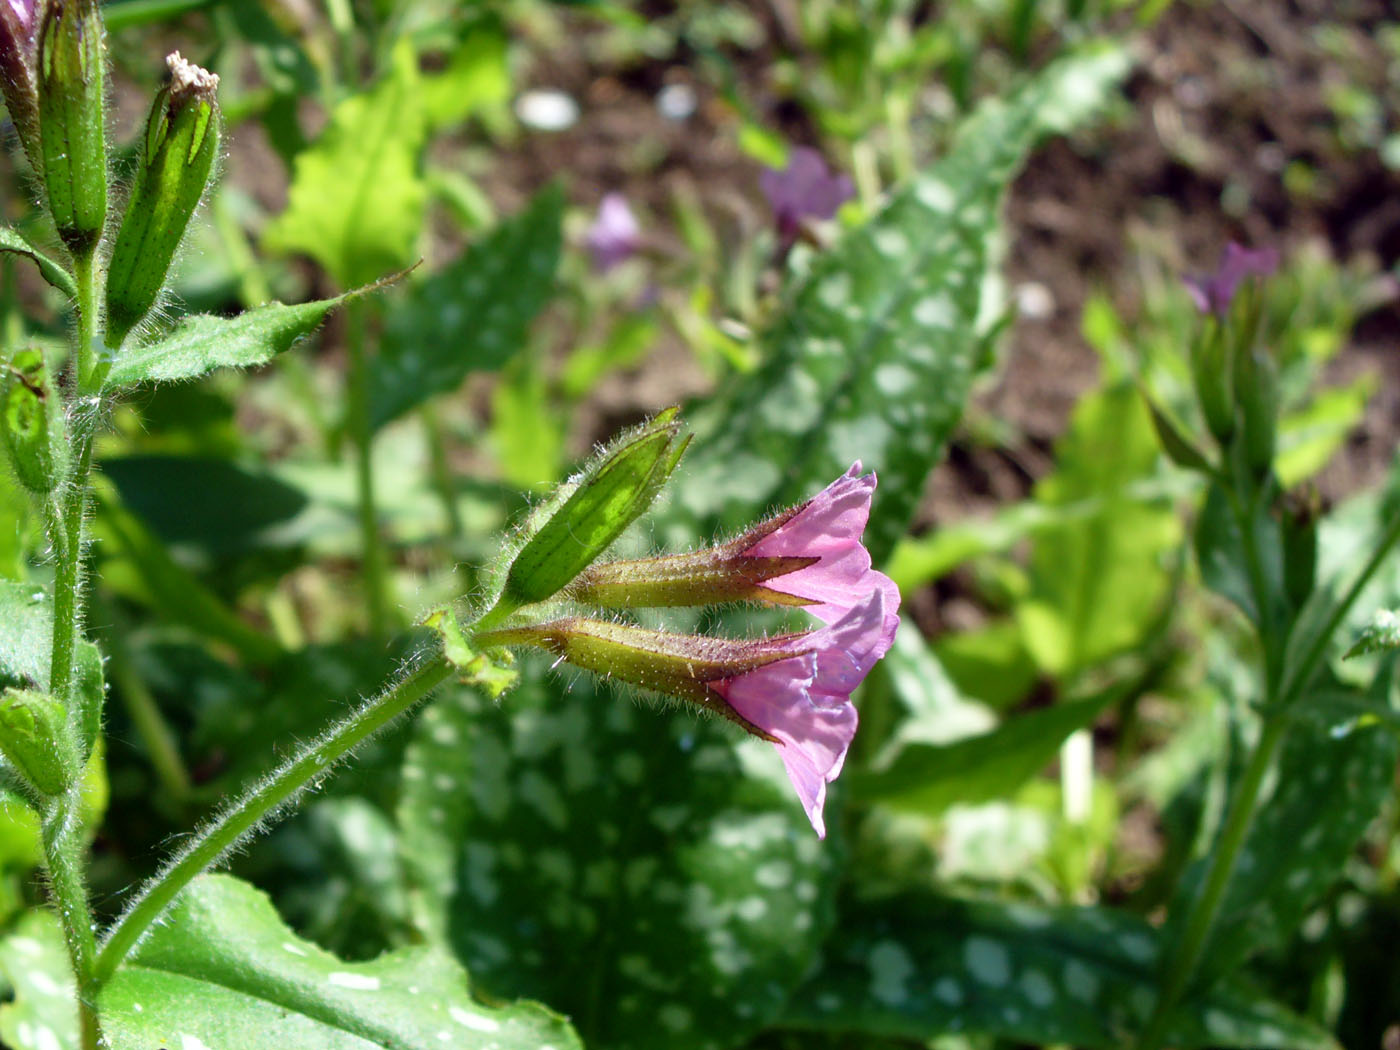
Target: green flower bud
x=182 y=142
x=31 y=422
x=1256 y=387
x=72 y=130
x=589 y=513
x=1212 y=374
x=1301 y=511
x=34 y=736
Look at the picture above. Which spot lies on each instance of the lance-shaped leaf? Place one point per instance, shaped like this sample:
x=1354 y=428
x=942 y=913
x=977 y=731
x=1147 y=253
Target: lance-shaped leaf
x=915 y=967
x=471 y=316
x=875 y=355
x=223 y=970
x=204 y=342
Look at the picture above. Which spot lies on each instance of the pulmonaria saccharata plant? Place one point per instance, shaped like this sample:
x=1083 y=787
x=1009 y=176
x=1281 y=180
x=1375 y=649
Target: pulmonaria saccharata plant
x=793 y=690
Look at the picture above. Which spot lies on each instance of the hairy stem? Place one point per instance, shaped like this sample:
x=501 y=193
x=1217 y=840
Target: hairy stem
x=311 y=763
x=375 y=573
x=63 y=850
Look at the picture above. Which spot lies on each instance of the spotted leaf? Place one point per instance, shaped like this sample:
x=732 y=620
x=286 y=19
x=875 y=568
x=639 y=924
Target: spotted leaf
x=920 y=966
x=37 y=981
x=223 y=970
x=876 y=353
x=622 y=864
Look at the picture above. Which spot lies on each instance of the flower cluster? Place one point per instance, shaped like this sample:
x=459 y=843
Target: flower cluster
x=793 y=690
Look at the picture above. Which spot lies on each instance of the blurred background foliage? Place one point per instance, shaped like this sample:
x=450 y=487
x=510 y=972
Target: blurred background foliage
x=1045 y=752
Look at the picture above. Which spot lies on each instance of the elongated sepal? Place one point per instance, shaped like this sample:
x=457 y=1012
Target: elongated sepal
x=678 y=665
x=711 y=577
x=31 y=423
x=589 y=513
x=35 y=737
x=181 y=146
x=72 y=121
x=492 y=672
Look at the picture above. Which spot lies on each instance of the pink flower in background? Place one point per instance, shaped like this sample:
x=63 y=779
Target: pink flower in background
x=805 y=189
x=804 y=702
x=828 y=528
x=1214 y=293
x=615 y=234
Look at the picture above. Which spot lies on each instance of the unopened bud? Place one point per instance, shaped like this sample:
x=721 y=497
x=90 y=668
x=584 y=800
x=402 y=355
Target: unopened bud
x=72 y=128
x=684 y=666
x=1301 y=511
x=18 y=61
x=181 y=144
x=1256 y=387
x=587 y=515
x=34 y=736
x=1212 y=374
x=31 y=422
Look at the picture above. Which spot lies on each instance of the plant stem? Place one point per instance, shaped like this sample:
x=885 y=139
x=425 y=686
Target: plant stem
x=375 y=575
x=63 y=850
x=442 y=472
x=1205 y=907
x=256 y=805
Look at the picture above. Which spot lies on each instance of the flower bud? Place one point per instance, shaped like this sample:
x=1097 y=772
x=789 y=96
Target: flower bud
x=588 y=514
x=1301 y=511
x=1256 y=387
x=18 y=59
x=31 y=422
x=72 y=129
x=182 y=141
x=1212 y=375
x=34 y=736
x=680 y=665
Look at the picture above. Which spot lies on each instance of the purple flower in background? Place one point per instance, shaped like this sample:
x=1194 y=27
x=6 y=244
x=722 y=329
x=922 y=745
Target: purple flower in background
x=805 y=189
x=24 y=12
x=1213 y=294
x=18 y=70
x=615 y=234
x=804 y=701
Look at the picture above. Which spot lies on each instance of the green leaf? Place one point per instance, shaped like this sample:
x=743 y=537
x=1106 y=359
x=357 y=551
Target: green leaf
x=915 y=967
x=471 y=316
x=1332 y=780
x=11 y=240
x=631 y=867
x=26 y=634
x=876 y=353
x=223 y=970
x=1383 y=632
x=1308 y=438
x=204 y=342
x=476 y=76
x=1097 y=584
x=40 y=1013
x=929 y=777
x=357 y=196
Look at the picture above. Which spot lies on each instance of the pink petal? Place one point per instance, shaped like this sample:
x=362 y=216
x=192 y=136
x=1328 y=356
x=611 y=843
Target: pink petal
x=829 y=528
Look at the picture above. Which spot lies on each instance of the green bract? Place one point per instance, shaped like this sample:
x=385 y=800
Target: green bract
x=34 y=737
x=610 y=494
x=182 y=140
x=31 y=420
x=71 y=120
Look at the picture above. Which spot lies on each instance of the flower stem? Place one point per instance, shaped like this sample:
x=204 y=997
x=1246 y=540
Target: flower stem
x=1201 y=918
x=375 y=574
x=259 y=802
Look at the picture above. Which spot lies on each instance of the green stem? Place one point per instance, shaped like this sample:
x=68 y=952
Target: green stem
x=1206 y=906
x=86 y=360
x=63 y=851
x=258 y=803
x=442 y=472
x=375 y=575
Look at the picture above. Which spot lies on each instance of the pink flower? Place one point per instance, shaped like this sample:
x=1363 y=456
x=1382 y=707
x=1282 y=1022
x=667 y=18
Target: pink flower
x=806 y=188
x=615 y=234
x=804 y=702
x=827 y=529
x=24 y=12
x=1213 y=294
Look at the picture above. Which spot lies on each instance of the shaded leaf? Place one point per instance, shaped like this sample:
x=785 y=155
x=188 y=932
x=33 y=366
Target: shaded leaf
x=223 y=970
x=634 y=868
x=920 y=966
x=1383 y=632
x=471 y=316
x=11 y=240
